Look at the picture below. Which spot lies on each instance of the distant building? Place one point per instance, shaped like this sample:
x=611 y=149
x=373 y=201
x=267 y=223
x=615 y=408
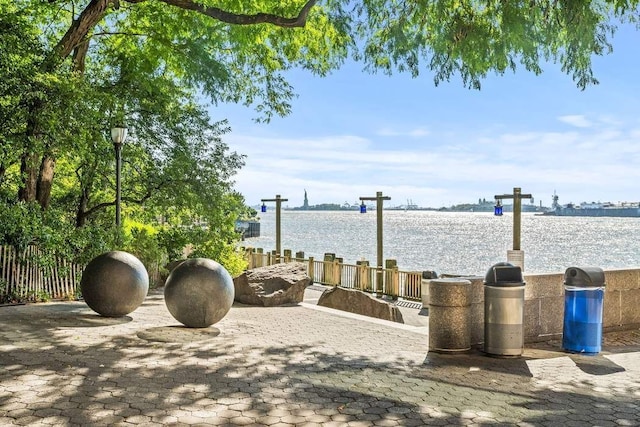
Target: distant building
x=248 y=228
x=323 y=207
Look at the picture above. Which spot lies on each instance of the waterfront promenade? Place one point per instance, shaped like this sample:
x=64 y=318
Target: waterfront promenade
x=61 y=364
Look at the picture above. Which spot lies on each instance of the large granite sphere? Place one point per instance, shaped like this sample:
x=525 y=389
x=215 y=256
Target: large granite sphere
x=114 y=283
x=199 y=292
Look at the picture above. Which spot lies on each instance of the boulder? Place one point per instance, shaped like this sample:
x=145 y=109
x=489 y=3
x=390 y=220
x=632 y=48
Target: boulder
x=273 y=285
x=359 y=302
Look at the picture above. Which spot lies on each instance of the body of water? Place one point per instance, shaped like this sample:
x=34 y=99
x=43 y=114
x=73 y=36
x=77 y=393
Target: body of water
x=457 y=242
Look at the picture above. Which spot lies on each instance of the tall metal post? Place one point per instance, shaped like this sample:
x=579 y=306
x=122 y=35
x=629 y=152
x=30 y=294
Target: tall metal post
x=517 y=211
x=278 y=229
x=118 y=135
x=118 y=148
x=517 y=197
x=278 y=201
x=379 y=200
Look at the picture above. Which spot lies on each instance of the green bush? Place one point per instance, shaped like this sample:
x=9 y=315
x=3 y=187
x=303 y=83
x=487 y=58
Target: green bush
x=21 y=225
x=174 y=240
x=141 y=240
x=26 y=224
x=56 y=236
x=201 y=242
x=86 y=243
x=226 y=254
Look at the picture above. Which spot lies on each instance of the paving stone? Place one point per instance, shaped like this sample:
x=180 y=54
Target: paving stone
x=290 y=366
x=47 y=412
x=242 y=421
x=626 y=422
x=165 y=419
x=51 y=421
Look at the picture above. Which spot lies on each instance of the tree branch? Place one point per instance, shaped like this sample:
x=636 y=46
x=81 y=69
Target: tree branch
x=80 y=56
x=96 y=10
x=242 y=19
x=118 y=33
x=143 y=198
x=77 y=32
x=97 y=207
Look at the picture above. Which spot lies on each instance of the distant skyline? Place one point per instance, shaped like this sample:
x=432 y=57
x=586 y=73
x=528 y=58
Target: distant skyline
x=352 y=134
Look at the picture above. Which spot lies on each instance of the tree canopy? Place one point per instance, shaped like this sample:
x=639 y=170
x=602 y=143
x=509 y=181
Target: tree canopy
x=70 y=69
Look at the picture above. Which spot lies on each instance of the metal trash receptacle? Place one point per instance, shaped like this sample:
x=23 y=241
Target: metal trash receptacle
x=583 y=303
x=504 y=310
x=449 y=315
x=424 y=286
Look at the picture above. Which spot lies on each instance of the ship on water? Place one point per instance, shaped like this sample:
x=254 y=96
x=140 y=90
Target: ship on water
x=595 y=209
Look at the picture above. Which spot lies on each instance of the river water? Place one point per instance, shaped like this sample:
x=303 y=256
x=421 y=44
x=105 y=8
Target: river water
x=456 y=242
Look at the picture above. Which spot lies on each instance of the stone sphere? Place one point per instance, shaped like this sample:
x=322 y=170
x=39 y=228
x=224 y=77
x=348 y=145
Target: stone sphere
x=114 y=284
x=199 y=292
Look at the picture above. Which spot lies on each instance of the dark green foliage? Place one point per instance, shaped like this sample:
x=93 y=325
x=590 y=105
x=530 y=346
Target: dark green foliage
x=26 y=224
x=71 y=70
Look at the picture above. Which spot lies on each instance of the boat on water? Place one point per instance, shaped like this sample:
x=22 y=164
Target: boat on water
x=594 y=209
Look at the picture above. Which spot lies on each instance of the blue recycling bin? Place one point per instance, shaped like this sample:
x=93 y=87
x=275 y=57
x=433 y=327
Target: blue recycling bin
x=583 y=299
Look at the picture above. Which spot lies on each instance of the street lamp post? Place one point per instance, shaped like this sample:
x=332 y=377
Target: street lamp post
x=118 y=135
x=379 y=199
x=516 y=255
x=278 y=201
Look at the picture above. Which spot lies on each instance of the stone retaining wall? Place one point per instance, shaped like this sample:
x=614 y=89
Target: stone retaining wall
x=544 y=304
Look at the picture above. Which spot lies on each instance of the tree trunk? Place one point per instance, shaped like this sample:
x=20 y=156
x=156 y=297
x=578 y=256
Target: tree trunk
x=45 y=180
x=29 y=158
x=86 y=183
x=81 y=214
x=77 y=32
x=29 y=172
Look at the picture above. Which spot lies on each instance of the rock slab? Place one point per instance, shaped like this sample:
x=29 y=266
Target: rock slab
x=359 y=302
x=273 y=285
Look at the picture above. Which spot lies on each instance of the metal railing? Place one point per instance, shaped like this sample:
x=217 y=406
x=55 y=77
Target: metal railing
x=395 y=283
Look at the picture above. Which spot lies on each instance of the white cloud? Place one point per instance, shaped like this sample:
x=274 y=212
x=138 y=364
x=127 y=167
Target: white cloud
x=576 y=120
x=413 y=133
x=344 y=140
x=581 y=164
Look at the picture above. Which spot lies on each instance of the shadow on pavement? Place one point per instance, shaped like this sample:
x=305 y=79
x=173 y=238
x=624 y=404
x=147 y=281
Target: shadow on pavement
x=178 y=334
x=138 y=374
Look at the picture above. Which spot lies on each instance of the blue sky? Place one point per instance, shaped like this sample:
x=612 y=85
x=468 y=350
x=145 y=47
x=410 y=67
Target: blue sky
x=351 y=134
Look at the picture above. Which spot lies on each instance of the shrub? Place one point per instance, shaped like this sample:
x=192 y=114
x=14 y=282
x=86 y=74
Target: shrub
x=142 y=241
x=227 y=255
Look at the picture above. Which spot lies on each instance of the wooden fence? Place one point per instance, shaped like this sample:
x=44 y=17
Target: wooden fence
x=332 y=271
x=23 y=278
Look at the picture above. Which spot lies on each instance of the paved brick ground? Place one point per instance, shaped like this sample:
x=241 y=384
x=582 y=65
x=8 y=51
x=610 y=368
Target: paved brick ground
x=61 y=364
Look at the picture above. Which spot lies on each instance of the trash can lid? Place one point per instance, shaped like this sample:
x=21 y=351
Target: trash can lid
x=504 y=274
x=586 y=277
x=429 y=274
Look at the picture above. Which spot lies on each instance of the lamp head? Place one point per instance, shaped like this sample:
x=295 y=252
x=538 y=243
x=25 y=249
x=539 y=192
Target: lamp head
x=118 y=134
